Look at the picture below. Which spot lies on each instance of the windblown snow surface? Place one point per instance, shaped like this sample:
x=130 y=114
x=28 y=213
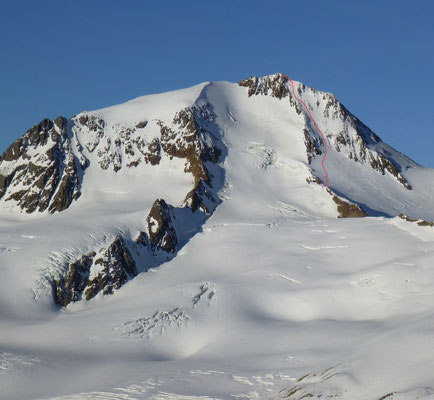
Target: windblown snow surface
x=275 y=297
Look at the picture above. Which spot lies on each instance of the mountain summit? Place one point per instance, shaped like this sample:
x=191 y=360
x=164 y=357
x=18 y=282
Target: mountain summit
x=176 y=156
x=170 y=201
x=46 y=168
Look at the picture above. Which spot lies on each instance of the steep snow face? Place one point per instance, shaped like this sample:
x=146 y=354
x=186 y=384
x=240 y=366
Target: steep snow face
x=360 y=165
x=361 y=168
x=193 y=253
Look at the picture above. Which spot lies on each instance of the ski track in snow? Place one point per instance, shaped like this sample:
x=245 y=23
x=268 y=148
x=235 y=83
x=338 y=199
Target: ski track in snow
x=287 y=278
x=304 y=246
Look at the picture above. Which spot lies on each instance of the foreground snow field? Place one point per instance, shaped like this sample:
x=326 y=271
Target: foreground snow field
x=267 y=294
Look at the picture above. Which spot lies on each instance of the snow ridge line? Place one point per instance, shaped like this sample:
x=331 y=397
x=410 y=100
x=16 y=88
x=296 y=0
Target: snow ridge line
x=319 y=130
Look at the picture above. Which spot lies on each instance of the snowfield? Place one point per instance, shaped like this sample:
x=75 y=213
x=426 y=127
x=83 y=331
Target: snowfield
x=272 y=296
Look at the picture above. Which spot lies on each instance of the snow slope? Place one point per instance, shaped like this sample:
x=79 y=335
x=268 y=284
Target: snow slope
x=268 y=295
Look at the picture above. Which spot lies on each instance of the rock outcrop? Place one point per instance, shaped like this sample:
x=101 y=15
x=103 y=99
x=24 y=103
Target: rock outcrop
x=420 y=222
x=355 y=139
x=190 y=138
x=127 y=148
x=39 y=171
x=313 y=146
x=347 y=209
x=162 y=233
x=95 y=272
x=109 y=267
x=274 y=85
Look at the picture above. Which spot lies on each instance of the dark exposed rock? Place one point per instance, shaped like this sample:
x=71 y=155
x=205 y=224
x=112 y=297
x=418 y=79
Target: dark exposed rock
x=95 y=126
x=313 y=179
x=35 y=136
x=110 y=155
x=162 y=234
x=359 y=146
x=420 y=222
x=129 y=148
x=388 y=396
x=382 y=164
x=42 y=163
x=93 y=123
x=189 y=138
x=153 y=153
x=141 y=124
x=274 y=85
x=117 y=267
x=69 y=288
x=313 y=146
x=347 y=209
x=334 y=109
x=142 y=239
x=94 y=273
x=200 y=198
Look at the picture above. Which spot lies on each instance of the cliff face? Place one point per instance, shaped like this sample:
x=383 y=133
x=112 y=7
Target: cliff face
x=103 y=271
x=39 y=171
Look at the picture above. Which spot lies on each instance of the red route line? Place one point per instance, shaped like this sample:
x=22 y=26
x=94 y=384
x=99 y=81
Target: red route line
x=319 y=130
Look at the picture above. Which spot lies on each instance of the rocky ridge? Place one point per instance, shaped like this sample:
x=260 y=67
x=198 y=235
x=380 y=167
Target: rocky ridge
x=354 y=139
x=128 y=148
x=40 y=171
x=420 y=222
x=189 y=137
x=103 y=271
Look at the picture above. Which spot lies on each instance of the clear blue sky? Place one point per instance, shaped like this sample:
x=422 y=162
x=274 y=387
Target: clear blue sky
x=60 y=57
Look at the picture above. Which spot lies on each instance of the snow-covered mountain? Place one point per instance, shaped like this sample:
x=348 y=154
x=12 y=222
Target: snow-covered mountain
x=197 y=231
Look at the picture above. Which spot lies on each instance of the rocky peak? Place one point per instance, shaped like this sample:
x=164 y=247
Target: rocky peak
x=36 y=136
x=275 y=85
x=350 y=136
x=272 y=85
x=39 y=171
